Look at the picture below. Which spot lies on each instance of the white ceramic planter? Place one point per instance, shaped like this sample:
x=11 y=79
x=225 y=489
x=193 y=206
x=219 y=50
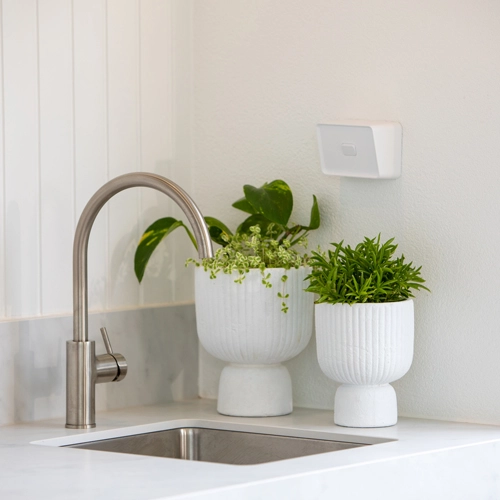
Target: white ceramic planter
x=365 y=347
x=243 y=324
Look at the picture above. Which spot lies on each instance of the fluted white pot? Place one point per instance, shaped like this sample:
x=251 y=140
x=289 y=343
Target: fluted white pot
x=243 y=324
x=365 y=347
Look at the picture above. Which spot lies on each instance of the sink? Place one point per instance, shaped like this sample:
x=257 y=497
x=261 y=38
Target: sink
x=219 y=446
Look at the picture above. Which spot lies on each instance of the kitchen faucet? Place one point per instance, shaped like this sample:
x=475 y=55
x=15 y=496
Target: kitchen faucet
x=83 y=368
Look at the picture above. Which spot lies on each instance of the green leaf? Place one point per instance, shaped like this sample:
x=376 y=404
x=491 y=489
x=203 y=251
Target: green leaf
x=254 y=220
x=151 y=238
x=217 y=229
x=274 y=200
x=315 y=217
x=243 y=205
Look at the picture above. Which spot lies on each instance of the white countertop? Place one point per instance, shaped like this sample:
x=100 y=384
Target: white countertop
x=427 y=459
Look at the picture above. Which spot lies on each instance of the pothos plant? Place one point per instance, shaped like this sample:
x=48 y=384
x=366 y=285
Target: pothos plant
x=264 y=239
x=367 y=273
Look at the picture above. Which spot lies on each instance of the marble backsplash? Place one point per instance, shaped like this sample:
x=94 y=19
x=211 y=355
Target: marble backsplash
x=160 y=345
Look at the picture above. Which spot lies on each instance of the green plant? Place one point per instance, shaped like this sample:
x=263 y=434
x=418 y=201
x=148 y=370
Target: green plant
x=269 y=209
x=367 y=273
x=254 y=251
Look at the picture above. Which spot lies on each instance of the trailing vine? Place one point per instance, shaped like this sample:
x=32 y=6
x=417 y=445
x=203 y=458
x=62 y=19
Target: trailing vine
x=263 y=240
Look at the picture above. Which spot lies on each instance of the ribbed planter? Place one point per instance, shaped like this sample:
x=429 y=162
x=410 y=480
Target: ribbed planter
x=365 y=347
x=243 y=324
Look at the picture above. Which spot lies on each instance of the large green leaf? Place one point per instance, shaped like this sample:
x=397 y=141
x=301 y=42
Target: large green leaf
x=151 y=238
x=314 y=222
x=274 y=200
x=315 y=217
x=244 y=205
x=254 y=220
x=216 y=228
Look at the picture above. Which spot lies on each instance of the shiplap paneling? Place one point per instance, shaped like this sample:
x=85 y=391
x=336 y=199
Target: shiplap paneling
x=123 y=146
x=182 y=131
x=56 y=153
x=88 y=95
x=155 y=140
x=91 y=154
x=2 y=178
x=22 y=183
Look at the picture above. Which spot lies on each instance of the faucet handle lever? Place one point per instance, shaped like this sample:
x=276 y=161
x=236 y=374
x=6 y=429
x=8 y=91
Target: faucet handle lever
x=110 y=367
x=107 y=342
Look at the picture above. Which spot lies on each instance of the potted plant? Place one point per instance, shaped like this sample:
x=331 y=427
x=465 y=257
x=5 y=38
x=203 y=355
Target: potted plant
x=364 y=326
x=250 y=307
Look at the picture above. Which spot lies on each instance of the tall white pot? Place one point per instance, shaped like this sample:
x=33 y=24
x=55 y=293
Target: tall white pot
x=243 y=324
x=365 y=347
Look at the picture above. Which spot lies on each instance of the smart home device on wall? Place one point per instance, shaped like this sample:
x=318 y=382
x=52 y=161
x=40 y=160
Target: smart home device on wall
x=353 y=148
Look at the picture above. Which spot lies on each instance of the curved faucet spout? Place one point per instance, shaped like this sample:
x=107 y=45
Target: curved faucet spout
x=89 y=214
x=83 y=368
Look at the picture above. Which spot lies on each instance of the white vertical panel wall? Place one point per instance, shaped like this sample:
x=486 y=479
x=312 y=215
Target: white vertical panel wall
x=182 y=125
x=56 y=152
x=86 y=90
x=123 y=145
x=2 y=177
x=22 y=157
x=155 y=80
x=90 y=125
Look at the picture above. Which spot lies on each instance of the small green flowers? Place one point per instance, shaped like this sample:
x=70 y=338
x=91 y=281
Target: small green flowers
x=254 y=251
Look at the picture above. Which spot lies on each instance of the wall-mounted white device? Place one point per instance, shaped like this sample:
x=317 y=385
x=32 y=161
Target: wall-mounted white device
x=370 y=149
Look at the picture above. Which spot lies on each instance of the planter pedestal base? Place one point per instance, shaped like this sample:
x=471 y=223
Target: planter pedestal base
x=255 y=391
x=366 y=406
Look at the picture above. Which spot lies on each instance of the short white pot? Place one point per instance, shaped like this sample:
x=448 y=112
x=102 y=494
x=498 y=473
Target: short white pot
x=243 y=324
x=365 y=347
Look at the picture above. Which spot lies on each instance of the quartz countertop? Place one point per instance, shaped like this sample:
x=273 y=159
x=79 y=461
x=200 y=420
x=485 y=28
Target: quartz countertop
x=423 y=459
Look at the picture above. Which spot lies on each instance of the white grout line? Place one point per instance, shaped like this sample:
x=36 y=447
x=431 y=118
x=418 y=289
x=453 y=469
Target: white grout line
x=39 y=228
x=139 y=132
x=4 y=217
x=108 y=222
x=72 y=9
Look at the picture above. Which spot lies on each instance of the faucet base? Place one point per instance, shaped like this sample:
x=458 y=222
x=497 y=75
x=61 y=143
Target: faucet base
x=80 y=384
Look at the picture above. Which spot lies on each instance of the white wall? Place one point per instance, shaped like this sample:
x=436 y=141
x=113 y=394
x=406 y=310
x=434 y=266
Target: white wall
x=267 y=71
x=90 y=89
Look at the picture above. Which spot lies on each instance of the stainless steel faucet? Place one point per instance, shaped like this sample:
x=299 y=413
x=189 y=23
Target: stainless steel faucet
x=83 y=368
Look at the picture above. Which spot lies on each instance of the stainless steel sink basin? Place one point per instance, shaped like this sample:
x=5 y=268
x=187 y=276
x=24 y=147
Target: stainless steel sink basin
x=220 y=446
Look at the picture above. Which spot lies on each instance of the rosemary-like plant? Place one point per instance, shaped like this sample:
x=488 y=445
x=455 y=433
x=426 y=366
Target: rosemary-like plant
x=367 y=273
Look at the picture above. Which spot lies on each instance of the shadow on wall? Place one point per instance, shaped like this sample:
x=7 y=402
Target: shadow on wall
x=364 y=196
